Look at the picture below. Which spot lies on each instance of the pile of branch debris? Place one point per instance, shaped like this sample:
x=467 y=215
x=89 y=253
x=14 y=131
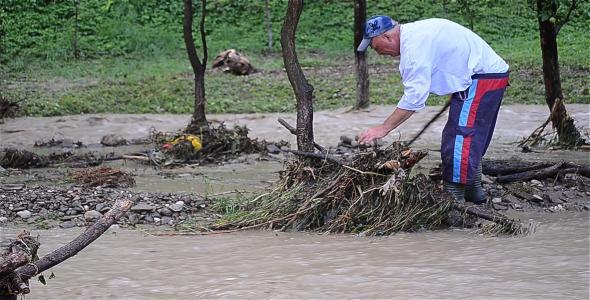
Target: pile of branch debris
x=374 y=194
x=212 y=145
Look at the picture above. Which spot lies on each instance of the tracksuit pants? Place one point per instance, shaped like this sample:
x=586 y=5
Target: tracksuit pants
x=471 y=123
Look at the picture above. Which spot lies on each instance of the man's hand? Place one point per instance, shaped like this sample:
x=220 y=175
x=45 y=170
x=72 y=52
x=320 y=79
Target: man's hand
x=373 y=133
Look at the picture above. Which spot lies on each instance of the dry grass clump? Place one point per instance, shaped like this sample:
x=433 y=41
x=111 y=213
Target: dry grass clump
x=103 y=177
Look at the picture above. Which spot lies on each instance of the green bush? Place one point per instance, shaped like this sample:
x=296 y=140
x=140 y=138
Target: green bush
x=45 y=29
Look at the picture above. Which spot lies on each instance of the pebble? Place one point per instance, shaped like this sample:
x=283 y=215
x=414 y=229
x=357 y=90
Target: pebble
x=92 y=215
x=555 y=197
x=165 y=212
x=25 y=214
x=557 y=208
x=167 y=221
x=3 y=219
x=142 y=207
x=496 y=200
x=498 y=206
x=176 y=207
x=67 y=224
x=113 y=140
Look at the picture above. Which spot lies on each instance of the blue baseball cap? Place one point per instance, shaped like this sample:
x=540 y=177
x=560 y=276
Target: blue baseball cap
x=375 y=26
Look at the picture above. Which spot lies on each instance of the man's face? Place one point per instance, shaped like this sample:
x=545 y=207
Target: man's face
x=384 y=44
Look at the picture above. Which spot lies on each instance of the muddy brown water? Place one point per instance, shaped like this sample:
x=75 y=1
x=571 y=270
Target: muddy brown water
x=123 y=264
x=454 y=264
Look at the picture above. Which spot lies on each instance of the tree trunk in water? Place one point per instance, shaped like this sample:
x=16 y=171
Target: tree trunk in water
x=198 y=121
x=360 y=58
x=566 y=130
x=303 y=90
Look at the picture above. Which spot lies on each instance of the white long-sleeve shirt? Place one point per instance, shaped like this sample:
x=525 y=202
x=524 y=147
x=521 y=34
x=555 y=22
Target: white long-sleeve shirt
x=439 y=56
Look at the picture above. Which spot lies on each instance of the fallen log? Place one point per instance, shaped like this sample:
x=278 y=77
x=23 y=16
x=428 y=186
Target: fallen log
x=514 y=170
x=16 y=282
x=506 y=167
x=533 y=174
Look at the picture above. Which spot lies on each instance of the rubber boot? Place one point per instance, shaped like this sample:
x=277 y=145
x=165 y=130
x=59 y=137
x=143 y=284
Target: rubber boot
x=456 y=189
x=474 y=191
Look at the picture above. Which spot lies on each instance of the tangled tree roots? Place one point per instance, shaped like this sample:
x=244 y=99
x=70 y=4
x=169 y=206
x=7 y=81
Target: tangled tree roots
x=103 y=177
x=373 y=195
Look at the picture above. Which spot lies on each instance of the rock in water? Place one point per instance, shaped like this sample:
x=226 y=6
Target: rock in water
x=113 y=140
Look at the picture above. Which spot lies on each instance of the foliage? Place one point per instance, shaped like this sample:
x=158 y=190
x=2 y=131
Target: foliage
x=44 y=29
x=133 y=58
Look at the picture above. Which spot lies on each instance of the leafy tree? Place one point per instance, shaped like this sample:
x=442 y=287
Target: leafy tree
x=303 y=90
x=551 y=19
x=198 y=121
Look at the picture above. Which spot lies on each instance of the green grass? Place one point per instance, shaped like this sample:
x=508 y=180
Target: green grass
x=162 y=84
x=133 y=59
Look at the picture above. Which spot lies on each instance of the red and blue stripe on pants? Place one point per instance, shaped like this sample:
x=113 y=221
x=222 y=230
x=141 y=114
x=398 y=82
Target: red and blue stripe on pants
x=471 y=123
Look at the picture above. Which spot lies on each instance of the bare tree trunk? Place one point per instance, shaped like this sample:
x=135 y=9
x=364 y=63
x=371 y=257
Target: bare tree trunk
x=566 y=130
x=199 y=121
x=303 y=90
x=268 y=24
x=360 y=58
x=76 y=29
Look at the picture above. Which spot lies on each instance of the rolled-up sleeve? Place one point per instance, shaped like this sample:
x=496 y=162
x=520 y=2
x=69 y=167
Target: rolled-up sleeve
x=416 y=79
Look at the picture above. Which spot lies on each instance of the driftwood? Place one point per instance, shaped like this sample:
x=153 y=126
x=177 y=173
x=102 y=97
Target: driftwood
x=505 y=167
x=319 y=156
x=16 y=281
x=532 y=174
x=20 y=252
x=513 y=170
